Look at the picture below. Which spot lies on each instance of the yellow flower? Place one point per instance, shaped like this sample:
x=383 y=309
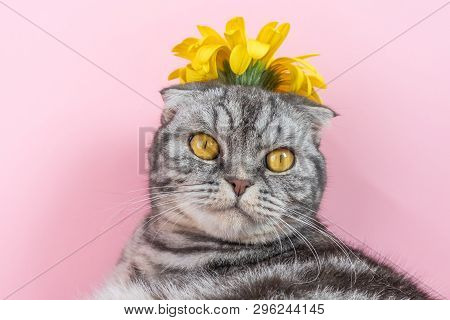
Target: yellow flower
x=274 y=36
x=235 y=59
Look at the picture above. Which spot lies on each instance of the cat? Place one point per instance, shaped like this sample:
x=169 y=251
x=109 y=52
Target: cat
x=231 y=224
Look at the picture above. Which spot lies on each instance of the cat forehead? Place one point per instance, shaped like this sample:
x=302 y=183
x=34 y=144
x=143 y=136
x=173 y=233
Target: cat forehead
x=235 y=107
x=211 y=106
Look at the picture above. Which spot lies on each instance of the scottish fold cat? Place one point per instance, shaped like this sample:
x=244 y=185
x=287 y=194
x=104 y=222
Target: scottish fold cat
x=236 y=181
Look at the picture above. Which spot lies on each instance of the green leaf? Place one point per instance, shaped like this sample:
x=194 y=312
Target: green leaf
x=255 y=75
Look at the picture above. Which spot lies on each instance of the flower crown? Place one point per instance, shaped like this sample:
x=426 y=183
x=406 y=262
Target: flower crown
x=235 y=59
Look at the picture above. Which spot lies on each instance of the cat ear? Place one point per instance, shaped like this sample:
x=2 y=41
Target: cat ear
x=173 y=98
x=178 y=95
x=321 y=115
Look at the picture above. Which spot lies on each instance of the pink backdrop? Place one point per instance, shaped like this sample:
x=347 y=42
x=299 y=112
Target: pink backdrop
x=69 y=131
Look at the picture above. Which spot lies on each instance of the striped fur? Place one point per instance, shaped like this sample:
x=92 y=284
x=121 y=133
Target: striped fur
x=202 y=242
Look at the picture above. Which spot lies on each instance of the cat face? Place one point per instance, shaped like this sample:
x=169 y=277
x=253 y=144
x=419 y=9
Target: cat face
x=237 y=162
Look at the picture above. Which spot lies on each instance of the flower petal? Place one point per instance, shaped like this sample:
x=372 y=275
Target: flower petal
x=307 y=86
x=275 y=41
x=205 y=52
x=317 y=80
x=216 y=62
x=174 y=74
x=306 y=56
x=239 y=59
x=194 y=75
x=187 y=48
x=306 y=64
x=282 y=61
x=257 y=49
x=206 y=31
x=236 y=23
x=315 y=97
x=235 y=32
x=206 y=56
x=266 y=32
x=297 y=78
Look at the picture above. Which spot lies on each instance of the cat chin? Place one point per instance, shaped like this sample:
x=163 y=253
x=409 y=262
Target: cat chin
x=233 y=224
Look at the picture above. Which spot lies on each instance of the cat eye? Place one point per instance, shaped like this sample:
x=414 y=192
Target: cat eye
x=280 y=160
x=204 y=146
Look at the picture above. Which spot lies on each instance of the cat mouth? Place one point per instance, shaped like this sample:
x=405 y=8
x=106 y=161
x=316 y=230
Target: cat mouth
x=236 y=208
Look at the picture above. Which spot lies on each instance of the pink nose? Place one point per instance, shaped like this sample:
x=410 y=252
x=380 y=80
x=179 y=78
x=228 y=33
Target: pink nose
x=239 y=185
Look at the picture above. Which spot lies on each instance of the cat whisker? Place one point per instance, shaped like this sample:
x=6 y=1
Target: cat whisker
x=276 y=232
x=152 y=218
x=177 y=213
x=313 y=220
x=299 y=236
x=159 y=215
x=161 y=195
x=292 y=244
x=180 y=186
x=314 y=224
x=140 y=199
x=331 y=222
x=181 y=191
x=133 y=211
x=151 y=199
x=162 y=187
x=338 y=243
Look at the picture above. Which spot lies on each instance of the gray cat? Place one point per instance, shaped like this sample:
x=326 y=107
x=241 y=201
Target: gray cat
x=236 y=180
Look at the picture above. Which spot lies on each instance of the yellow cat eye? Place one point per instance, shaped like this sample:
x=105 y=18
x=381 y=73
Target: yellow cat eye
x=280 y=160
x=204 y=146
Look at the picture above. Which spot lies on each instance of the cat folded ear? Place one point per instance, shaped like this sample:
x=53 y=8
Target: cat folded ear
x=318 y=115
x=321 y=115
x=173 y=98
x=180 y=95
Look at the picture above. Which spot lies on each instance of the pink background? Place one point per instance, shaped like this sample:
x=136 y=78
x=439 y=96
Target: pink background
x=69 y=132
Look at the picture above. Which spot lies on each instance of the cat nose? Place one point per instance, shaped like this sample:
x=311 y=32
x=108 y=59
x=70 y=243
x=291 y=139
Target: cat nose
x=239 y=185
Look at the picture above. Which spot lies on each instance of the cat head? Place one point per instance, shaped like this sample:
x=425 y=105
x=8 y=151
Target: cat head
x=238 y=162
